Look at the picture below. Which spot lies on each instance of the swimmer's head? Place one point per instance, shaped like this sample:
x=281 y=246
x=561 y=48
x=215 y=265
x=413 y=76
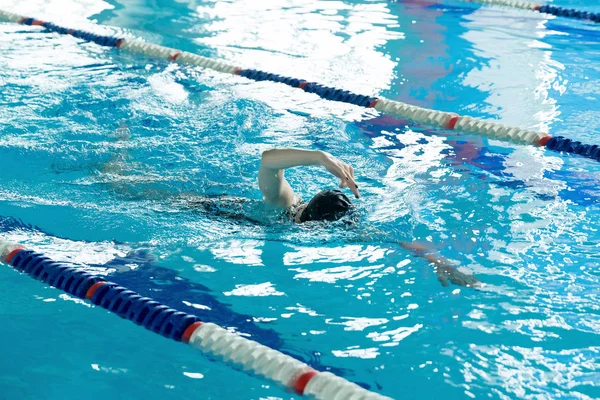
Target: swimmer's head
x=328 y=205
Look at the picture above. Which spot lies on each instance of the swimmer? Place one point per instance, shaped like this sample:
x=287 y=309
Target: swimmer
x=331 y=205
x=327 y=205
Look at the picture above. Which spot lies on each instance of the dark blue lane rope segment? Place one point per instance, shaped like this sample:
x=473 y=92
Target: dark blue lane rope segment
x=570 y=13
x=143 y=311
x=345 y=96
x=91 y=37
x=560 y=143
x=128 y=304
x=324 y=92
x=65 y=277
x=257 y=75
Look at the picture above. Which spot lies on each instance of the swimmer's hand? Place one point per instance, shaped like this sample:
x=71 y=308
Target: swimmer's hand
x=444 y=269
x=446 y=272
x=342 y=170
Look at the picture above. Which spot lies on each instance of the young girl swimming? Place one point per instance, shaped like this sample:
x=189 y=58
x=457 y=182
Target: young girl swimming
x=331 y=205
x=327 y=205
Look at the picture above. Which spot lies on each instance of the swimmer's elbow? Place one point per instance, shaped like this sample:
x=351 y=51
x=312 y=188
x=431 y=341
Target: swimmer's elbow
x=268 y=159
x=267 y=155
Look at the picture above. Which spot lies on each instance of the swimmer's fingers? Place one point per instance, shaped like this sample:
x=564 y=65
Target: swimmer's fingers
x=456 y=277
x=343 y=175
x=342 y=171
x=350 y=184
x=336 y=168
x=355 y=191
x=350 y=181
x=353 y=186
x=443 y=280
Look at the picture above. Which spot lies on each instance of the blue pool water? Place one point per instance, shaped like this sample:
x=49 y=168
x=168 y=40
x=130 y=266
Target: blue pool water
x=524 y=220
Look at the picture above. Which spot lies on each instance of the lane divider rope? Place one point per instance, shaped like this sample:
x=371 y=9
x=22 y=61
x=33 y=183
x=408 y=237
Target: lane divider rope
x=434 y=118
x=542 y=8
x=207 y=337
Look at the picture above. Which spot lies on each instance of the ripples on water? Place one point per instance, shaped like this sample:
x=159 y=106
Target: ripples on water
x=522 y=219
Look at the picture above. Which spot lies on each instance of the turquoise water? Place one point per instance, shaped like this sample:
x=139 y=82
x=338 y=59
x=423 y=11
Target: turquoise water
x=521 y=219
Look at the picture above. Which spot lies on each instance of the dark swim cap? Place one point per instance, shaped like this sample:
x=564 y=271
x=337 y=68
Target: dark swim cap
x=329 y=205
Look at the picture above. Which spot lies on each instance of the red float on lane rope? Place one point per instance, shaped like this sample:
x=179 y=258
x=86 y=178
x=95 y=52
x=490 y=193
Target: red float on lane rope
x=12 y=255
x=302 y=381
x=452 y=123
x=92 y=290
x=187 y=334
x=543 y=141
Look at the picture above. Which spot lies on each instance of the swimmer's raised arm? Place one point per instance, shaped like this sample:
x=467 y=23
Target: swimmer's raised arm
x=277 y=190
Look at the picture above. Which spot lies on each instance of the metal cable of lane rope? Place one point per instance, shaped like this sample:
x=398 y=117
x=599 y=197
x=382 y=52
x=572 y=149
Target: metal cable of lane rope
x=542 y=8
x=209 y=338
x=424 y=116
